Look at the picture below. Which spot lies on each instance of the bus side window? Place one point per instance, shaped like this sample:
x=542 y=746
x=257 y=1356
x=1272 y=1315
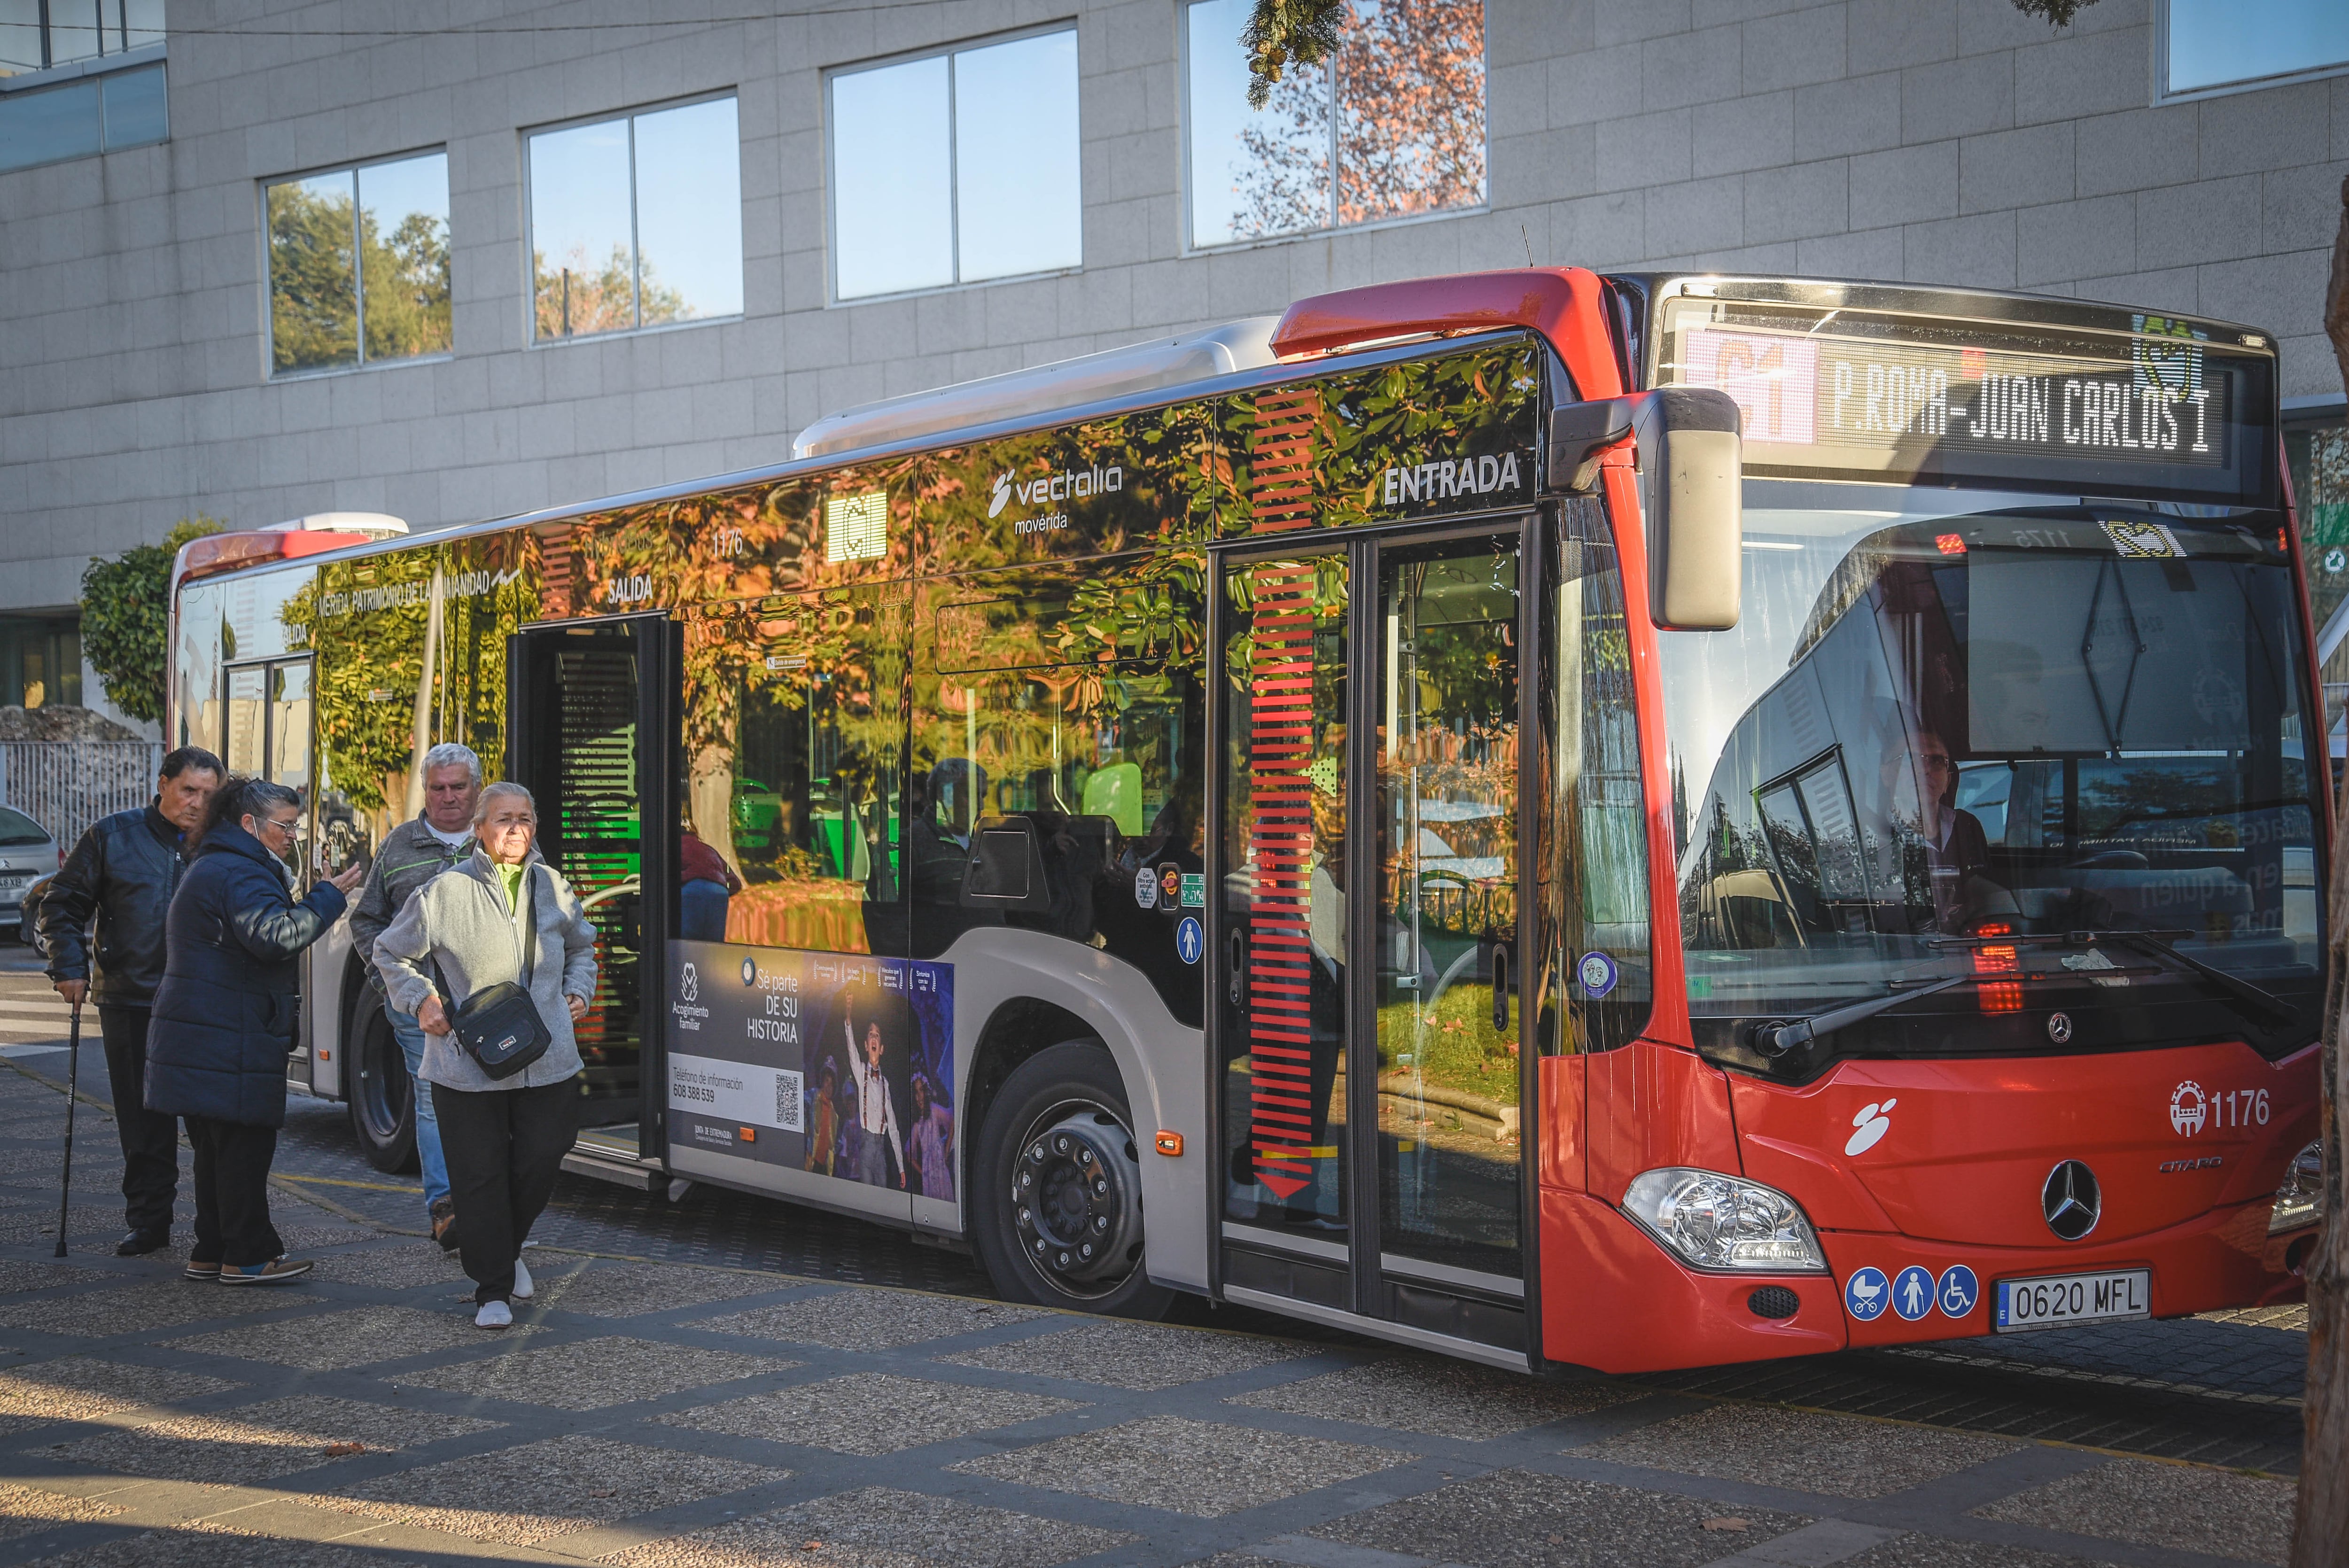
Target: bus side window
x=793 y=729
x=1056 y=724
x=1597 y=987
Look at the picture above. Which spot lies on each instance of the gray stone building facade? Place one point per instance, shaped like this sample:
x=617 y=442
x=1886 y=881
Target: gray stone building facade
x=1951 y=141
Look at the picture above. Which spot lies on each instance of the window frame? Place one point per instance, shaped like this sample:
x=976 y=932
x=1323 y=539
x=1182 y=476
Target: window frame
x=269 y=372
x=2162 y=94
x=833 y=298
x=1194 y=246
x=530 y=337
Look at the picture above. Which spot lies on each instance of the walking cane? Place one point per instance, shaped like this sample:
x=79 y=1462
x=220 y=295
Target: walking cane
x=73 y=1092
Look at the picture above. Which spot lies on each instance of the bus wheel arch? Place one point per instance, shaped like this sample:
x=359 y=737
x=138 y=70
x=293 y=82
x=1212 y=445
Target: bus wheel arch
x=1053 y=1169
x=377 y=1091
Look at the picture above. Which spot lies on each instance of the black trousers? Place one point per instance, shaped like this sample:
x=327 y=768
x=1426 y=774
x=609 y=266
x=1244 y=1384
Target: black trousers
x=232 y=1164
x=504 y=1146
x=150 y=1139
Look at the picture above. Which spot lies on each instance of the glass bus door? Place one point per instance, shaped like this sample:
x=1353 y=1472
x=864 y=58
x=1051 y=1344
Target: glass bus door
x=1367 y=932
x=585 y=737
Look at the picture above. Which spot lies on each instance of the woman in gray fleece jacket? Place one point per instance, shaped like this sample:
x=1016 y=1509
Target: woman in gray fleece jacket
x=505 y=1137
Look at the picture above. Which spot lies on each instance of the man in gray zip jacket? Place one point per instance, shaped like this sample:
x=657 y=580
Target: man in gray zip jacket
x=411 y=855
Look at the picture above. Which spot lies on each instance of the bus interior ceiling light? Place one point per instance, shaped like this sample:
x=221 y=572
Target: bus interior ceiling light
x=1163 y=363
x=1717 y=1221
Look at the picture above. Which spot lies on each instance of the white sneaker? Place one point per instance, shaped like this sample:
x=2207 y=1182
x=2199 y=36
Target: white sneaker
x=523 y=1286
x=493 y=1315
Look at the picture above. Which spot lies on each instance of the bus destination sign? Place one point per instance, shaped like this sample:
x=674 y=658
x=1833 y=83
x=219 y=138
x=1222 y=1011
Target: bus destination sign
x=1867 y=397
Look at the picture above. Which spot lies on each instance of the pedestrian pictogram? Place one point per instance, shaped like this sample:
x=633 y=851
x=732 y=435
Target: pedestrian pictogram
x=1912 y=1292
x=1189 y=939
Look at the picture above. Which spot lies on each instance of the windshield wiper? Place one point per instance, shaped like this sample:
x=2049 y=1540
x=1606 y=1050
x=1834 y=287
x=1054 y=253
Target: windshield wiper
x=1777 y=1038
x=2258 y=998
x=2158 y=944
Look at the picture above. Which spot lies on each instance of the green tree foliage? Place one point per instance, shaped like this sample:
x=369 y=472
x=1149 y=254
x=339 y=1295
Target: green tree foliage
x=2054 y=13
x=1284 y=33
x=314 y=277
x=123 y=602
x=313 y=304
x=407 y=279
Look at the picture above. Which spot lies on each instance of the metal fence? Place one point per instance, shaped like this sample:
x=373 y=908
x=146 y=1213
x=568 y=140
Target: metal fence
x=67 y=785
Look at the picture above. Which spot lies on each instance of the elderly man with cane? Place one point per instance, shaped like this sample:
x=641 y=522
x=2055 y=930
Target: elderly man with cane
x=412 y=854
x=122 y=874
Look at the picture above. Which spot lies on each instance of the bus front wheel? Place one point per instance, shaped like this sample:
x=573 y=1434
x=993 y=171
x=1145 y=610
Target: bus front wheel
x=1057 y=1188
x=381 y=1095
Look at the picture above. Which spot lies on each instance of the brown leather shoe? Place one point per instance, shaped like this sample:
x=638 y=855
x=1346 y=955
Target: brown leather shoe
x=444 y=1224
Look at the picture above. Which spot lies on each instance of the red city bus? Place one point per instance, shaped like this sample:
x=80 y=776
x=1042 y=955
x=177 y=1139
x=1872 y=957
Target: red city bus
x=1631 y=821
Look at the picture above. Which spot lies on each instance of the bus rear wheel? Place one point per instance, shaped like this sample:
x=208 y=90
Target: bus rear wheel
x=1056 y=1182
x=382 y=1096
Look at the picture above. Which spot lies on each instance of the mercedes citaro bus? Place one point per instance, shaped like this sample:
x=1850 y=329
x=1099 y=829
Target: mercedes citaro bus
x=1631 y=821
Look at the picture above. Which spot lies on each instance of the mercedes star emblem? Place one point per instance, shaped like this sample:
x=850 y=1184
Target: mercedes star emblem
x=2059 y=1028
x=2071 y=1200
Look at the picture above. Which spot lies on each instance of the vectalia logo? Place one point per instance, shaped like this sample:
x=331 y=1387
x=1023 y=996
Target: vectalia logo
x=1068 y=484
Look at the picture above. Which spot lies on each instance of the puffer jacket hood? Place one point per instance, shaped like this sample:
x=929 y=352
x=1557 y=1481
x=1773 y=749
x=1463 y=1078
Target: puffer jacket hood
x=229 y=1008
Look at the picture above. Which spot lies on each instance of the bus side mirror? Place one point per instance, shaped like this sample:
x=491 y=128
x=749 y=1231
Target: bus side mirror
x=1691 y=490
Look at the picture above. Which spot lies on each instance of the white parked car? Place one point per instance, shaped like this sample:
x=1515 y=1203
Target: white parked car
x=28 y=855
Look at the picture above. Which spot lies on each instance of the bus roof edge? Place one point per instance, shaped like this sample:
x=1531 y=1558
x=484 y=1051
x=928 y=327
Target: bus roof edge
x=1162 y=362
x=1558 y=303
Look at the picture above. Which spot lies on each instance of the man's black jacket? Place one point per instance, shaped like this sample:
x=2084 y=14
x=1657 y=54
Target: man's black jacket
x=124 y=872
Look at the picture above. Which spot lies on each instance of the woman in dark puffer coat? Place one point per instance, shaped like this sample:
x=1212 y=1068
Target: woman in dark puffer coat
x=225 y=1015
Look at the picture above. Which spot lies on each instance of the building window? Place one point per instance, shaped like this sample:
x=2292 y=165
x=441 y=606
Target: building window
x=95 y=113
x=358 y=265
x=636 y=221
x=2211 y=46
x=1392 y=127
x=40 y=661
x=957 y=168
x=42 y=35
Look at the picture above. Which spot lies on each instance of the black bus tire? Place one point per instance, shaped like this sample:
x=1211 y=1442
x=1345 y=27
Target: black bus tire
x=379 y=1094
x=1060 y=1122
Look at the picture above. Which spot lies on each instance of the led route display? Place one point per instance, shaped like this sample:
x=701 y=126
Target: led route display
x=1877 y=396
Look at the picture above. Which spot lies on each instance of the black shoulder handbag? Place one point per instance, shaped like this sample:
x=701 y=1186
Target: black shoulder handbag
x=499 y=1025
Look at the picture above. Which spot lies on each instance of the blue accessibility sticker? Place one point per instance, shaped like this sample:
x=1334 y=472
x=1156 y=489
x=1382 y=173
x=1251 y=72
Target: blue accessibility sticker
x=1959 y=1291
x=1912 y=1292
x=1866 y=1293
x=1189 y=939
x=1597 y=973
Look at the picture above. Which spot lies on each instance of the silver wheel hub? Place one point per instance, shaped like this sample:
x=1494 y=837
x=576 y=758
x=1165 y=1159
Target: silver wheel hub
x=1076 y=1200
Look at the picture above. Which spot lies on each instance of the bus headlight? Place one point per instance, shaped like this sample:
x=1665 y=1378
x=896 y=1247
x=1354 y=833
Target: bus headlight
x=1717 y=1221
x=2301 y=1200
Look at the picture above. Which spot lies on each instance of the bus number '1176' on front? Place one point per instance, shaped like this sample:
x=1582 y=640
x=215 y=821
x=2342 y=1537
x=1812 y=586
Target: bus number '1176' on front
x=2059 y=1300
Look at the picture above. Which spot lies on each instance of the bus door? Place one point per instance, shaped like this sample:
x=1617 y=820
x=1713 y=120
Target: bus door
x=1366 y=935
x=265 y=734
x=587 y=736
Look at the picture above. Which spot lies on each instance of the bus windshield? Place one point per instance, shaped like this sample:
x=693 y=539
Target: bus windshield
x=2046 y=748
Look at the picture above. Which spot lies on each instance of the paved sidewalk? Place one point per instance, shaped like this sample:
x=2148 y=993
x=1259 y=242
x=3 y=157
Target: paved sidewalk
x=671 y=1416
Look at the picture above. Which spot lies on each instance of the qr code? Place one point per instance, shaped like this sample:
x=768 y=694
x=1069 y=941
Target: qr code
x=790 y=1101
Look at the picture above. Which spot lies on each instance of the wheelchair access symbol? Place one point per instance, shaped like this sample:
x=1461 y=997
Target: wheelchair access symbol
x=1189 y=939
x=1959 y=1291
x=1912 y=1292
x=1866 y=1293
